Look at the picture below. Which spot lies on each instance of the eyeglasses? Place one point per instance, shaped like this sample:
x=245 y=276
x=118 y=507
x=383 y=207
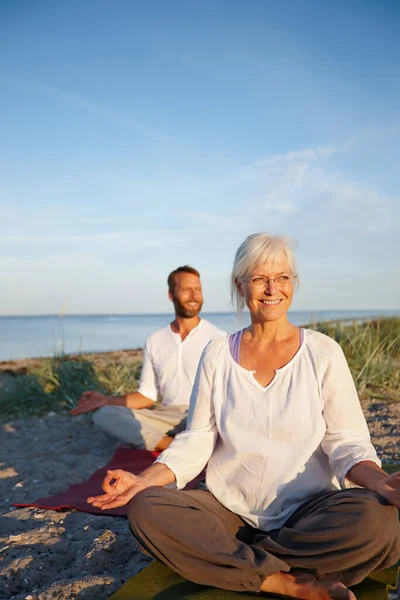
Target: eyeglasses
x=261 y=282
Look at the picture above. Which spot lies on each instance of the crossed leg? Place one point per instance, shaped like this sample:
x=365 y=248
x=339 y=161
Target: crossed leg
x=333 y=541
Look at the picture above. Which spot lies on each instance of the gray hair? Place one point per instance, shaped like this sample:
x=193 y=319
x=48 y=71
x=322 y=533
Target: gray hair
x=258 y=249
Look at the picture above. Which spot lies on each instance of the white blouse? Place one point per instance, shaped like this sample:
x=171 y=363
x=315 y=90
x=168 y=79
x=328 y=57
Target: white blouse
x=170 y=363
x=271 y=448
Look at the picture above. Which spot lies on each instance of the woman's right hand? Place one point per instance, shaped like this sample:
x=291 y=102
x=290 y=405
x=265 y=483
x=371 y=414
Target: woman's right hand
x=88 y=402
x=119 y=487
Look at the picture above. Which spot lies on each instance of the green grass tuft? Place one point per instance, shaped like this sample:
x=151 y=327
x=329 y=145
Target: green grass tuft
x=57 y=383
x=372 y=350
x=26 y=397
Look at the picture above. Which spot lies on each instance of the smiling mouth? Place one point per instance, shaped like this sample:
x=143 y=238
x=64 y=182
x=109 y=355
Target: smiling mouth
x=271 y=302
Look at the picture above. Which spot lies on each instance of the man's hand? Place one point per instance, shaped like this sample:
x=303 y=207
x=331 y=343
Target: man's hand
x=389 y=488
x=88 y=402
x=119 y=487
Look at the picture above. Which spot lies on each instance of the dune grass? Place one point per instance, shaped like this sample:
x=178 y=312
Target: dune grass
x=57 y=383
x=372 y=350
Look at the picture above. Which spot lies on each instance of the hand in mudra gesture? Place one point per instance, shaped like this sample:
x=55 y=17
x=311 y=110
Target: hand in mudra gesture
x=119 y=487
x=88 y=402
x=389 y=488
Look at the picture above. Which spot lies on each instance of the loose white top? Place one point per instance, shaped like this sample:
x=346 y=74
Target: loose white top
x=270 y=449
x=170 y=364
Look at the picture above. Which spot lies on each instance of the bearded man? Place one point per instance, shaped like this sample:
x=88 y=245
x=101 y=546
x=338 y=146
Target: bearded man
x=170 y=360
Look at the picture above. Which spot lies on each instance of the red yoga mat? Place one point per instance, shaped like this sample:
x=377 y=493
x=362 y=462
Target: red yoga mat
x=128 y=459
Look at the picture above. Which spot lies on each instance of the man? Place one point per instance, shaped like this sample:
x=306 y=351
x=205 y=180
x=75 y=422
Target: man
x=170 y=360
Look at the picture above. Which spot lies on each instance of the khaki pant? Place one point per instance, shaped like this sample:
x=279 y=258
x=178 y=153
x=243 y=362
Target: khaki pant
x=340 y=535
x=143 y=428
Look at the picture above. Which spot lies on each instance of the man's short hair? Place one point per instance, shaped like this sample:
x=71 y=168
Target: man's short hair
x=184 y=269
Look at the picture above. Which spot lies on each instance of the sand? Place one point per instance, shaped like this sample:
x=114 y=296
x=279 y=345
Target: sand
x=58 y=554
x=47 y=554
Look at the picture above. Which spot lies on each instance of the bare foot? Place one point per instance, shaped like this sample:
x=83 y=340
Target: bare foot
x=306 y=587
x=164 y=443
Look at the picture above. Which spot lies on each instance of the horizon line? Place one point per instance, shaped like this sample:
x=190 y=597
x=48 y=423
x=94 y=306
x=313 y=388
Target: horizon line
x=217 y=312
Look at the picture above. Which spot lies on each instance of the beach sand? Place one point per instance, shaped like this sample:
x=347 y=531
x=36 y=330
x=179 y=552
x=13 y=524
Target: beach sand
x=67 y=554
x=58 y=554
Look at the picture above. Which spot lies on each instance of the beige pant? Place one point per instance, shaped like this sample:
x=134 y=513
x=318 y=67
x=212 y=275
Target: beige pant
x=143 y=428
x=340 y=535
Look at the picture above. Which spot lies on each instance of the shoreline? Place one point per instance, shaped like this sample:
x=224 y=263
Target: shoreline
x=93 y=335
x=19 y=366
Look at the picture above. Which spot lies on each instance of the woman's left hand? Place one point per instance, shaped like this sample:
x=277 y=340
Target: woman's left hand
x=389 y=488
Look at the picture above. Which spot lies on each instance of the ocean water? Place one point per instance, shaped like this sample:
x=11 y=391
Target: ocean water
x=28 y=337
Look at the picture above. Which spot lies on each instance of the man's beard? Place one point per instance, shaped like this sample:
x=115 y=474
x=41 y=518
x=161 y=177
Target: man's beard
x=184 y=312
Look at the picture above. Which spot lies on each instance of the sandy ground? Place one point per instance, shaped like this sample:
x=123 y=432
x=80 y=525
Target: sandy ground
x=58 y=554
x=67 y=554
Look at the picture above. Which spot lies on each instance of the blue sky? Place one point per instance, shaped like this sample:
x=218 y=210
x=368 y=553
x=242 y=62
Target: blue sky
x=137 y=137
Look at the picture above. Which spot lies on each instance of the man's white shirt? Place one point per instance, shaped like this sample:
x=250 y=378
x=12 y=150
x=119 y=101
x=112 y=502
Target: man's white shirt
x=170 y=363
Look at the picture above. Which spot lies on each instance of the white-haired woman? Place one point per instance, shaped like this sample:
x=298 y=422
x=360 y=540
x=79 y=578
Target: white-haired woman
x=275 y=414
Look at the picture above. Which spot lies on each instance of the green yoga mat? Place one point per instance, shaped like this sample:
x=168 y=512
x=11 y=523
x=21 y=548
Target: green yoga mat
x=159 y=582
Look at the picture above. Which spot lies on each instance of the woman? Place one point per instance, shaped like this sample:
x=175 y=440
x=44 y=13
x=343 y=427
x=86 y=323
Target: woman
x=275 y=414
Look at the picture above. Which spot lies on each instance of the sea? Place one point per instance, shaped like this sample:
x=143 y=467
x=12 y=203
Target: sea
x=42 y=336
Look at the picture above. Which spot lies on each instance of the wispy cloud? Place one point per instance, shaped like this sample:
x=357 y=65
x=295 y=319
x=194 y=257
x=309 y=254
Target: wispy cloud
x=272 y=204
x=226 y=221
x=95 y=220
x=88 y=104
x=297 y=157
x=301 y=190
x=8 y=212
x=134 y=239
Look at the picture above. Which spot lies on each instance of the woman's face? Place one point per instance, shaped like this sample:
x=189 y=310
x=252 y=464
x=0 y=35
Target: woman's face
x=268 y=291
